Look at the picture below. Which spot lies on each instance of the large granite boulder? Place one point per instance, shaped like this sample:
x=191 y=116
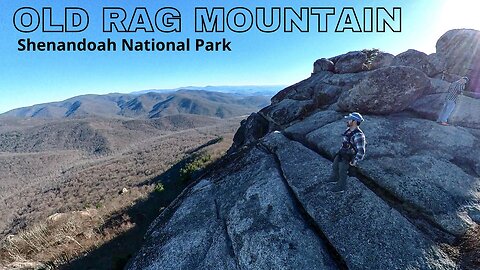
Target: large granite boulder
x=324 y=85
x=251 y=129
x=460 y=49
x=311 y=89
x=347 y=80
x=416 y=59
x=287 y=110
x=323 y=64
x=385 y=91
x=438 y=62
x=350 y=62
x=381 y=60
x=312 y=123
x=303 y=89
x=299 y=100
x=319 y=91
x=432 y=168
x=439 y=86
x=466 y=113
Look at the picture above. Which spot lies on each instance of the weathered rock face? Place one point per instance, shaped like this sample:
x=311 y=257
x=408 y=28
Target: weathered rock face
x=351 y=62
x=323 y=64
x=359 y=214
x=242 y=220
x=312 y=89
x=251 y=129
x=385 y=91
x=269 y=206
x=460 y=49
x=381 y=60
x=347 y=80
x=433 y=168
x=438 y=62
x=320 y=83
x=439 y=86
x=416 y=59
x=263 y=212
x=312 y=123
x=287 y=110
x=465 y=114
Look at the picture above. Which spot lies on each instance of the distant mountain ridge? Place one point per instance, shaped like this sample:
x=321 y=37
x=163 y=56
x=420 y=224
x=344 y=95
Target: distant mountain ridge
x=246 y=90
x=148 y=104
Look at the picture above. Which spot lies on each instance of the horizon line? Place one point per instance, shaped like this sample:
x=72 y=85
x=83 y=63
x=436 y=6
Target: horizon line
x=146 y=91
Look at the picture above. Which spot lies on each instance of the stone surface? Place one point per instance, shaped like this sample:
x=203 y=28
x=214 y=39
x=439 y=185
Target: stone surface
x=288 y=110
x=434 y=168
x=439 y=86
x=363 y=228
x=323 y=64
x=385 y=91
x=428 y=106
x=311 y=89
x=347 y=80
x=268 y=207
x=416 y=59
x=438 y=62
x=313 y=122
x=460 y=48
x=351 y=62
x=242 y=219
x=381 y=60
x=251 y=129
x=466 y=113
x=193 y=237
x=324 y=85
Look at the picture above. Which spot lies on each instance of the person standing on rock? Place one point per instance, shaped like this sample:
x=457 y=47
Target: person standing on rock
x=456 y=88
x=351 y=152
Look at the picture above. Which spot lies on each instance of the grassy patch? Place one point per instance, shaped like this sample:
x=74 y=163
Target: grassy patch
x=198 y=163
x=159 y=188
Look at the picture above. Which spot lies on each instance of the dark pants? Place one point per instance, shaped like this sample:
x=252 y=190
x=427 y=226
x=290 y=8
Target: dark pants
x=340 y=171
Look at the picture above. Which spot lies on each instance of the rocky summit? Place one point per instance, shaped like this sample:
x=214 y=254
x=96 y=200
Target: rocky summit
x=408 y=204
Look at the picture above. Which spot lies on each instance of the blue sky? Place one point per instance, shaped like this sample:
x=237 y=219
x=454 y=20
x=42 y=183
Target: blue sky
x=28 y=78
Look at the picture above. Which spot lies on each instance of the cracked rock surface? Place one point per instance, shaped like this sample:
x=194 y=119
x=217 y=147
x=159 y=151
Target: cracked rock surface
x=269 y=206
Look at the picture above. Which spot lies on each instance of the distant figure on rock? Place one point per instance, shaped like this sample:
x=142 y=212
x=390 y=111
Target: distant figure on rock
x=351 y=152
x=456 y=88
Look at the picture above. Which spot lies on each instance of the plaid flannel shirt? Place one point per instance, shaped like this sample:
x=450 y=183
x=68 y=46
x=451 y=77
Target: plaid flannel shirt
x=456 y=88
x=359 y=141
